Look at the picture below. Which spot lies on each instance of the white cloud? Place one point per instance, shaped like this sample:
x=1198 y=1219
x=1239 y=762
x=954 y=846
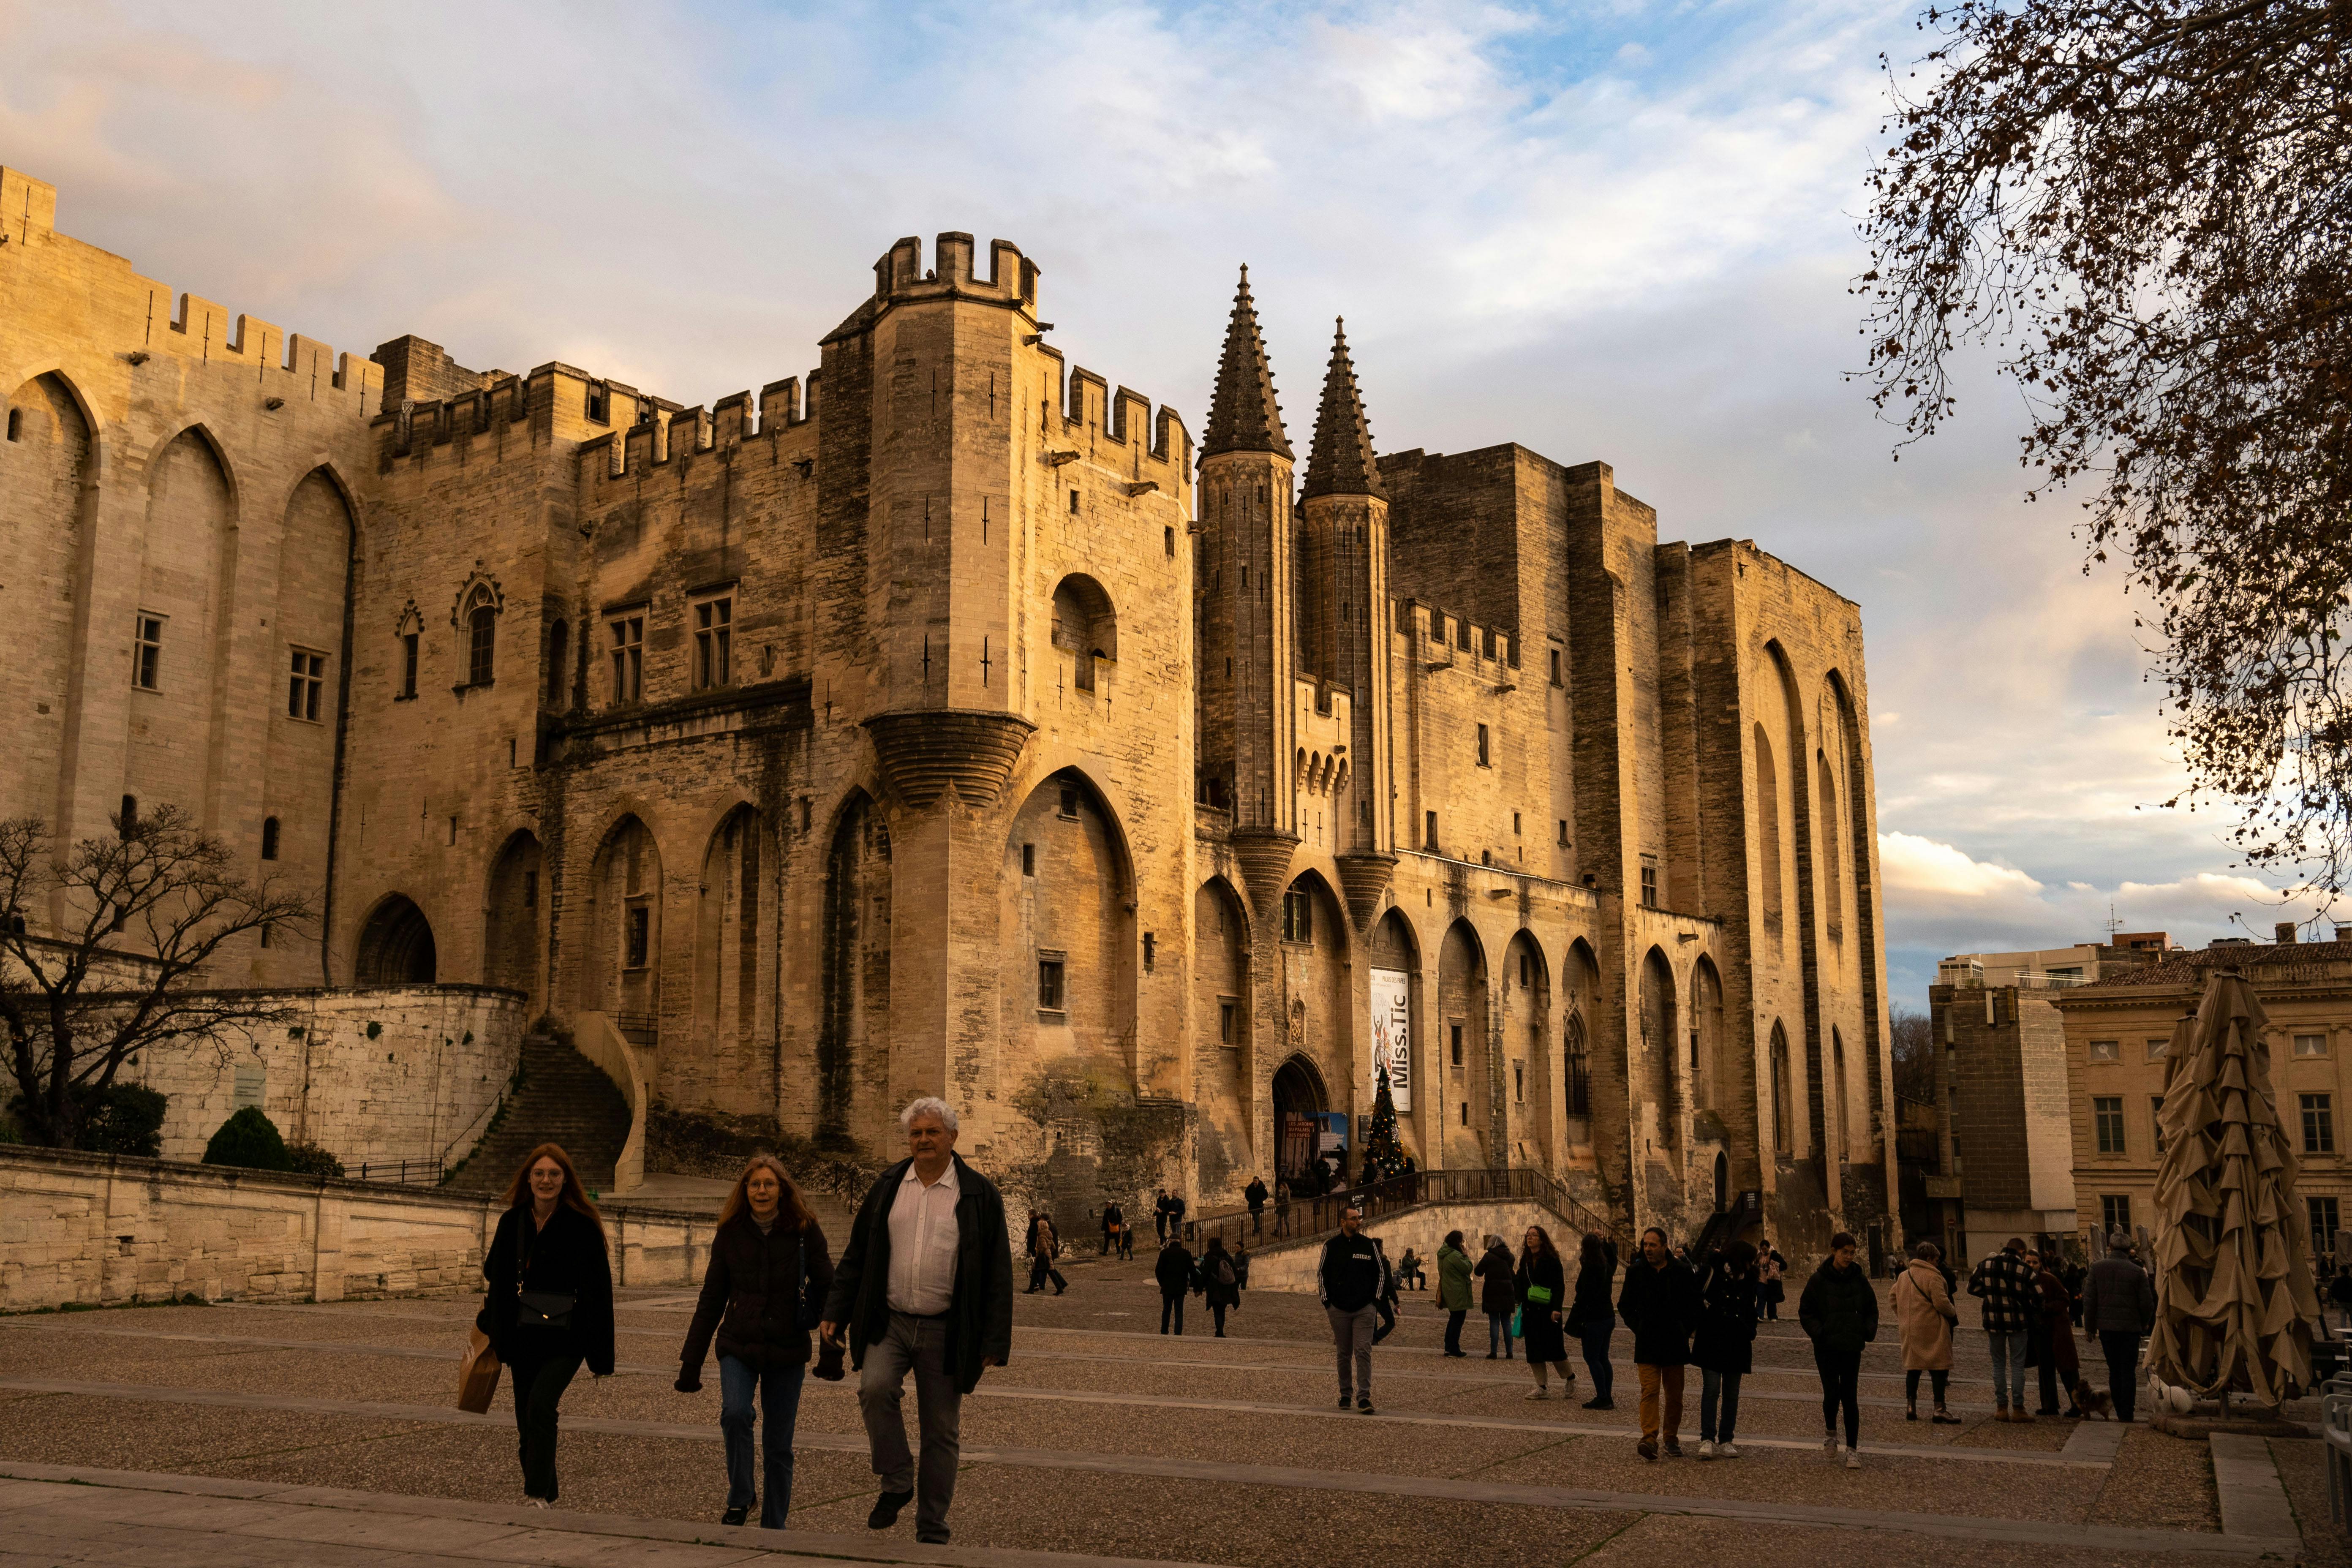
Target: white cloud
x=1909 y=864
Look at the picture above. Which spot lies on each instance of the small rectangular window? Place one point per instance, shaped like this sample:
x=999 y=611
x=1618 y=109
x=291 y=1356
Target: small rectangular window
x=2114 y=1212
x=2311 y=1045
x=2157 y=1045
x=1518 y=1083
x=639 y=925
x=1049 y=984
x=408 y=641
x=1169 y=537
x=1074 y=503
x=2327 y=1219
x=1462 y=630
x=2108 y=1113
x=1563 y=833
x=628 y=638
x=1514 y=824
x=714 y=643
x=1527 y=971
x=302 y=686
x=269 y=838
x=1297 y=916
x=1069 y=802
x=1228 y=1023
x=1465 y=1114
x=1028 y=859
x=1456 y=1031
x=2318 y=1124
x=2106 y=1050
x=147 y=656
x=1429 y=838
x=1555 y=667
x=1649 y=883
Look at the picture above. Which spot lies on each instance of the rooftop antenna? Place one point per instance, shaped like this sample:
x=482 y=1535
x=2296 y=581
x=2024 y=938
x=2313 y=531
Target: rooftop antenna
x=2113 y=925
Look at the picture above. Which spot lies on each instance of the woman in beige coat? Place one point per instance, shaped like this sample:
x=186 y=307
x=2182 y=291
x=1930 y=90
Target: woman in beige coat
x=1923 y=1308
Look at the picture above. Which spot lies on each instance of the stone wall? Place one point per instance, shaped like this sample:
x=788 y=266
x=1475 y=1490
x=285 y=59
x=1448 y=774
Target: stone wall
x=375 y=1074
x=95 y=1229
x=1423 y=1230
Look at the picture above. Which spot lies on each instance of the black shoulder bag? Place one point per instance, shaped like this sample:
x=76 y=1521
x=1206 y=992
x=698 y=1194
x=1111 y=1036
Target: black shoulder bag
x=539 y=1309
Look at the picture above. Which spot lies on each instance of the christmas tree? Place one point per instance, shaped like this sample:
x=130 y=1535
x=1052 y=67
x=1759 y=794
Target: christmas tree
x=1383 y=1155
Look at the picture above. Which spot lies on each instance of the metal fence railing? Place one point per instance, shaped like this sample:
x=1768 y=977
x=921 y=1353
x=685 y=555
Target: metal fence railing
x=1303 y=1219
x=423 y=1172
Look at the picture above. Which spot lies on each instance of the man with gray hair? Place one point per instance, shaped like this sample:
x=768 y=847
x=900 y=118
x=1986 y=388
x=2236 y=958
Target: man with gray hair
x=924 y=1285
x=2118 y=1308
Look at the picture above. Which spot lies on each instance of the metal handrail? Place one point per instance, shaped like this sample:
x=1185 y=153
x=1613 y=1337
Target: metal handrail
x=1303 y=1219
x=401 y=1173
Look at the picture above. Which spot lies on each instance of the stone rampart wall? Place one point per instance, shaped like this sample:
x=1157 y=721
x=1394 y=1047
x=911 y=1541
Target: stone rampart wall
x=372 y=1074
x=94 y=1230
x=1423 y=1230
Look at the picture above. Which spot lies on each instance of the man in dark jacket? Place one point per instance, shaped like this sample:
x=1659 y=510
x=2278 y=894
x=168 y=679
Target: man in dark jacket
x=2119 y=1307
x=1254 y=1196
x=1839 y=1312
x=1175 y=1272
x=2007 y=1288
x=1353 y=1275
x=926 y=1286
x=1660 y=1304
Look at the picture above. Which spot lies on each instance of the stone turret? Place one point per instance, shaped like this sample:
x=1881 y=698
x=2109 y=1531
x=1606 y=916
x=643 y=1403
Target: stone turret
x=1341 y=461
x=1243 y=415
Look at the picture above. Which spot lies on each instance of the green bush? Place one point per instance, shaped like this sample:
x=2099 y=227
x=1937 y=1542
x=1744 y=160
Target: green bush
x=249 y=1141
x=125 y=1120
x=310 y=1160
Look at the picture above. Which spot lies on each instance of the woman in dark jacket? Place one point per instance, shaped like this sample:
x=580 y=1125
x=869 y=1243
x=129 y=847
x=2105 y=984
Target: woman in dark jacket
x=1497 y=1295
x=1839 y=1312
x=1219 y=1291
x=549 y=1282
x=1724 y=1345
x=1592 y=1316
x=769 y=1274
x=1540 y=1285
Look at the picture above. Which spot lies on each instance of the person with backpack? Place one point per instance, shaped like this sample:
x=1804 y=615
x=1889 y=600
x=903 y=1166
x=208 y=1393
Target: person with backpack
x=1453 y=1291
x=549 y=1305
x=1839 y=1312
x=1539 y=1284
x=1723 y=1347
x=1176 y=1275
x=1924 y=1316
x=1220 y=1282
x=763 y=1291
x=1495 y=1297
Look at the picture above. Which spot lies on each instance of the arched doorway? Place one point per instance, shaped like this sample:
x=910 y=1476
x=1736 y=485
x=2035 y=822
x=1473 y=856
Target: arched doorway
x=1298 y=1106
x=1661 y=1105
x=727 y=920
x=395 y=945
x=1469 y=1102
x=511 y=919
x=1527 y=1045
x=852 y=1086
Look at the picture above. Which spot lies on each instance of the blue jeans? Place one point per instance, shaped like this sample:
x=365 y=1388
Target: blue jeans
x=1717 y=1388
x=779 y=1405
x=2009 y=1367
x=1595 y=1338
x=1499 y=1334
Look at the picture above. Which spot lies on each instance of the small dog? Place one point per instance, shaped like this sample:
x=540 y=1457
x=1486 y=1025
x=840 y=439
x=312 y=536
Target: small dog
x=2091 y=1401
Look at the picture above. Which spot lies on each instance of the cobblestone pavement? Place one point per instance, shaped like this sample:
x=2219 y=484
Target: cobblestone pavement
x=1102 y=1439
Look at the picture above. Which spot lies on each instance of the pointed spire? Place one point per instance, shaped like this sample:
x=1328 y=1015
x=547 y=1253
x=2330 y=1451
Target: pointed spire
x=1341 y=463
x=1243 y=415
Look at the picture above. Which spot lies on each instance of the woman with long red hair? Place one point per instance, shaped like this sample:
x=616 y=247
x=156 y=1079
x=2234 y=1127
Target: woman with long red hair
x=550 y=1275
x=763 y=1291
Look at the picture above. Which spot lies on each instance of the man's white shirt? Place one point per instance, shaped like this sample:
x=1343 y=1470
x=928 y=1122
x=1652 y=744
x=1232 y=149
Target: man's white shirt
x=923 y=1235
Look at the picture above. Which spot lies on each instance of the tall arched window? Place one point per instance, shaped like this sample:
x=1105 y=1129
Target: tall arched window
x=1780 y=1139
x=269 y=838
x=1578 y=1074
x=482 y=637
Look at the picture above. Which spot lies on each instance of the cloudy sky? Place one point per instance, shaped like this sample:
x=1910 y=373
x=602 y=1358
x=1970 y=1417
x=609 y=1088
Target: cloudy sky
x=1616 y=229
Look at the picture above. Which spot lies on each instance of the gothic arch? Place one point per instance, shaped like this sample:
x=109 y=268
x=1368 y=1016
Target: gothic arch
x=396 y=944
x=48 y=489
x=1527 y=1035
x=854 y=977
x=1784 y=1124
x=1468 y=1066
x=1861 y=860
x=1802 y=783
x=622 y=974
x=732 y=926
x=513 y=897
x=1661 y=1105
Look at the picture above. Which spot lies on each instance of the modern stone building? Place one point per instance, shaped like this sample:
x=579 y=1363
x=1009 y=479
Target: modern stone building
x=2118 y=1033
x=949 y=719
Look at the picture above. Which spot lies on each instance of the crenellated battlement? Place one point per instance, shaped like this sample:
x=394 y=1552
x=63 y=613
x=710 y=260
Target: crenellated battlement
x=662 y=432
x=1124 y=418
x=899 y=274
x=1438 y=638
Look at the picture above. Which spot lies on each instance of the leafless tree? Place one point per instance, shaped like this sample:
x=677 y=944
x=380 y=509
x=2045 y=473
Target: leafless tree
x=103 y=952
x=1914 y=1057
x=2142 y=207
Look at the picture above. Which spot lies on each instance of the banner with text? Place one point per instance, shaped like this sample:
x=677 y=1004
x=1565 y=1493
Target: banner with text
x=1391 y=1037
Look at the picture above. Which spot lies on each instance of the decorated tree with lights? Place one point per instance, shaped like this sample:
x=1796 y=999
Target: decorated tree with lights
x=1383 y=1155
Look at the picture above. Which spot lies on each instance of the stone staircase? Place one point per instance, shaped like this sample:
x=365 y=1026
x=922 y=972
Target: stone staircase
x=565 y=1098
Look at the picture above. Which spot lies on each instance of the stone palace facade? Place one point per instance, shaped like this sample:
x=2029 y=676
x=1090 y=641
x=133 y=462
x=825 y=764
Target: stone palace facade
x=952 y=720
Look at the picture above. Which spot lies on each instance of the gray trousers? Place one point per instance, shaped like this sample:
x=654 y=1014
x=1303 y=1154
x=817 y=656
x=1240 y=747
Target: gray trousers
x=2008 y=1367
x=919 y=1345
x=1351 y=1333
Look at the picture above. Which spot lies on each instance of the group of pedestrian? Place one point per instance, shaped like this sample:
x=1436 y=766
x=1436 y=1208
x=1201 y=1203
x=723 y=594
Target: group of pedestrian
x=1043 y=1246
x=923 y=1289
x=1218 y=1276
x=2029 y=1314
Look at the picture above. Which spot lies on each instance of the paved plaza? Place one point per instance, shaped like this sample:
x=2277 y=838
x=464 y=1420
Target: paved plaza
x=325 y=1435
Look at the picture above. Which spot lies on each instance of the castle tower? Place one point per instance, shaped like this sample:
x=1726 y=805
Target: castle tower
x=1344 y=592
x=1248 y=620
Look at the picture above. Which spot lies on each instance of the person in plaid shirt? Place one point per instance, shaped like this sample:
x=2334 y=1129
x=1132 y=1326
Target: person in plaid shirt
x=2006 y=1287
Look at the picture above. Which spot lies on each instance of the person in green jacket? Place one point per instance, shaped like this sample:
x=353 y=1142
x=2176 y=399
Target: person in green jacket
x=1839 y=1312
x=1454 y=1289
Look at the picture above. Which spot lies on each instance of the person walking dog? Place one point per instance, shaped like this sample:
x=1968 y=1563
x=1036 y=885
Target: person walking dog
x=549 y=1302
x=924 y=1286
x=765 y=1287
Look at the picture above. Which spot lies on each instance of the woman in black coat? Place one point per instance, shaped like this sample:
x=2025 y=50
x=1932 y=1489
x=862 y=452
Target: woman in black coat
x=1541 y=1286
x=1498 y=1295
x=549 y=1280
x=1592 y=1316
x=1221 y=1292
x=1724 y=1345
x=1839 y=1312
x=769 y=1275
